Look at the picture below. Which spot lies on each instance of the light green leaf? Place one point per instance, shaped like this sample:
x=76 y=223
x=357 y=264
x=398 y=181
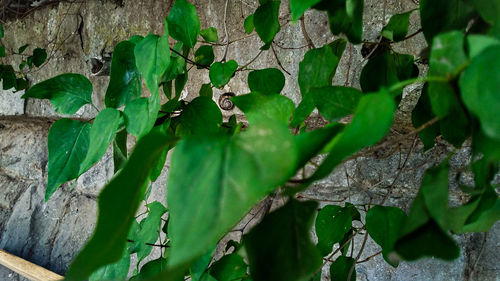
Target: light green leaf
x=66 y=92
x=480 y=90
x=298 y=7
x=258 y=106
x=183 y=23
x=68 y=143
x=383 y=225
x=221 y=73
x=210 y=34
x=248 y=24
x=335 y=102
x=339 y=270
x=478 y=43
x=102 y=133
x=280 y=248
x=114 y=271
x=397 y=28
x=118 y=204
x=203 y=208
x=269 y=80
x=266 y=22
x=148 y=231
x=136 y=116
x=125 y=80
x=152 y=57
x=204 y=56
x=198 y=268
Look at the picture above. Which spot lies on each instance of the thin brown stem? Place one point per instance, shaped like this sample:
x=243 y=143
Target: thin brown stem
x=278 y=60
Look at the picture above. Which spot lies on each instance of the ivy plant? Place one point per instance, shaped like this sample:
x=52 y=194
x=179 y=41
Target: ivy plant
x=221 y=169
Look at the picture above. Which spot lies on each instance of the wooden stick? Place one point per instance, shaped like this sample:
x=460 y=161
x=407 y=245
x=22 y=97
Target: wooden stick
x=27 y=269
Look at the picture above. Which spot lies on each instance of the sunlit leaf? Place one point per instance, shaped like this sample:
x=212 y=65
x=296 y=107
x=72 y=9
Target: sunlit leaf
x=298 y=7
x=258 y=106
x=210 y=34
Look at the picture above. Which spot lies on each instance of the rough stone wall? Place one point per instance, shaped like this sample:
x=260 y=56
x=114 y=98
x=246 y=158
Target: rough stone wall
x=51 y=233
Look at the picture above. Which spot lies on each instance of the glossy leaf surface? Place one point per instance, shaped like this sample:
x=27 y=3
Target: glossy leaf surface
x=183 y=23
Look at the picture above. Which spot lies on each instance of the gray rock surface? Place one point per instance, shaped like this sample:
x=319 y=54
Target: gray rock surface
x=51 y=233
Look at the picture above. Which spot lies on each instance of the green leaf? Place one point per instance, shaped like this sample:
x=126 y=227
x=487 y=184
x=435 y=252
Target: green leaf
x=372 y=120
x=332 y=223
x=120 y=149
x=435 y=193
x=118 y=204
x=204 y=56
x=220 y=73
x=266 y=22
x=383 y=225
x=479 y=86
x=280 y=247
x=206 y=91
x=125 y=83
x=421 y=114
x=66 y=92
x=339 y=270
x=114 y=271
x=298 y=7
x=22 y=48
x=311 y=143
x=151 y=269
x=347 y=18
x=335 y=102
x=397 y=28
x=152 y=57
x=437 y=16
x=258 y=106
x=21 y=84
x=248 y=24
x=39 y=56
x=101 y=133
x=447 y=55
x=68 y=143
x=198 y=268
x=183 y=23
x=210 y=34
x=229 y=267
x=203 y=208
x=478 y=43
x=488 y=9
x=315 y=70
x=2 y=51
x=136 y=116
x=201 y=116
x=1 y=31
x=269 y=80
x=148 y=231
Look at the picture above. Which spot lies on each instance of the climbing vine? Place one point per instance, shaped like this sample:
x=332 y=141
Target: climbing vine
x=220 y=170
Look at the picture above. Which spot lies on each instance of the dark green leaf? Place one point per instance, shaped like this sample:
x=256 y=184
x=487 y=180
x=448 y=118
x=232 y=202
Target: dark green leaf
x=204 y=56
x=201 y=116
x=67 y=92
x=203 y=208
x=480 y=89
x=1 y=31
x=439 y=16
x=8 y=76
x=397 y=28
x=118 y=204
x=151 y=269
x=148 y=231
x=269 y=80
x=125 y=80
x=248 y=24
x=332 y=223
x=435 y=193
x=183 y=23
x=298 y=7
x=315 y=70
x=136 y=39
x=177 y=65
x=230 y=267
x=136 y=116
x=347 y=18
x=335 y=102
x=2 y=51
x=68 y=143
x=488 y=9
x=266 y=22
x=114 y=271
x=39 y=56
x=152 y=57
x=206 y=91
x=339 y=270
x=221 y=73
x=447 y=54
x=102 y=133
x=210 y=34
x=421 y=114
x=311 y=143
x=21 y=84
x=280 y=247
x=383 y=225
x=120 y=149
x=22 y=48
x=257 y=106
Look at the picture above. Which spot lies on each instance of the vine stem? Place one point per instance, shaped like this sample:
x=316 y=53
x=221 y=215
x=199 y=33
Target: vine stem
x=225 y=30
x=398 y=86
x=187 y=59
